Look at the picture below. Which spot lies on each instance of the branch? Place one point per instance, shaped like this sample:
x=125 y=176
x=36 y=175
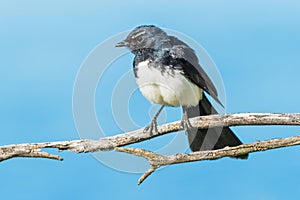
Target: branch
x=110 y=143
x=156 y=161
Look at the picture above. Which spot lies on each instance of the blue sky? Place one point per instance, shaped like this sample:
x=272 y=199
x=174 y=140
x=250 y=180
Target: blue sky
x=254 y=44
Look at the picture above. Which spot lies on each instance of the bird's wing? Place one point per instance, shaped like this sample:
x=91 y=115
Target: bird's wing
x=186 y=59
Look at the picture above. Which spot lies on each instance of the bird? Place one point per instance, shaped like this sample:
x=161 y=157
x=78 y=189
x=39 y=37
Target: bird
x=168 y=73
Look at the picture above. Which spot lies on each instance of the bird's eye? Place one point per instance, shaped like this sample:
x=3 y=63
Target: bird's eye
x=139 y=39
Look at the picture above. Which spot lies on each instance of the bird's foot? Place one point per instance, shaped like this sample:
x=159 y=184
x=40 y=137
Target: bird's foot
x=185 y=123
x=151 y=128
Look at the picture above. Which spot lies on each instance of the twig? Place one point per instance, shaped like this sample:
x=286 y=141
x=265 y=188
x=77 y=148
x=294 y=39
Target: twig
x=156 y=161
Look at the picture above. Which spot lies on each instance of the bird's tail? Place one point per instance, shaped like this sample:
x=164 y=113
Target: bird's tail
x=212 y=138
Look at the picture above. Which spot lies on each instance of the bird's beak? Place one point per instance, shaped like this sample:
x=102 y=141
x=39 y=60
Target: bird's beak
x=121 y=44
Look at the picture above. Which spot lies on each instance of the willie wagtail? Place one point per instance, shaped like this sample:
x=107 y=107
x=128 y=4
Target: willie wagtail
x=168 y=73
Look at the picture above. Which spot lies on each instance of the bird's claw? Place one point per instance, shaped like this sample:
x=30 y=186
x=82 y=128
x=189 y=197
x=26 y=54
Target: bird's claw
x=151 y=128
x=185 y=123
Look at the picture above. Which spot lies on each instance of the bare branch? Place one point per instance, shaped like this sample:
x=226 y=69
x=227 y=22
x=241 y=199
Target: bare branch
x=109 y=143
x=156 y=161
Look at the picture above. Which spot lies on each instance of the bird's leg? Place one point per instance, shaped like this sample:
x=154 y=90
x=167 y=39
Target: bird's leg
x=185 y=122
x=152 y=127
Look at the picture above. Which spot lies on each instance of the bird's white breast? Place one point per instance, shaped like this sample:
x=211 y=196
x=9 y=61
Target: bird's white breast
x=166 y=88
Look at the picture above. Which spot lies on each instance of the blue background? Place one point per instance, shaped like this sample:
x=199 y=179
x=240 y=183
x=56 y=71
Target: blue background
x=42 y=45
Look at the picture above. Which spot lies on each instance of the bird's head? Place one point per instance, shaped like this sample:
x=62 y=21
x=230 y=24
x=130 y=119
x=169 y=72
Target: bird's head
x=143 y=37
